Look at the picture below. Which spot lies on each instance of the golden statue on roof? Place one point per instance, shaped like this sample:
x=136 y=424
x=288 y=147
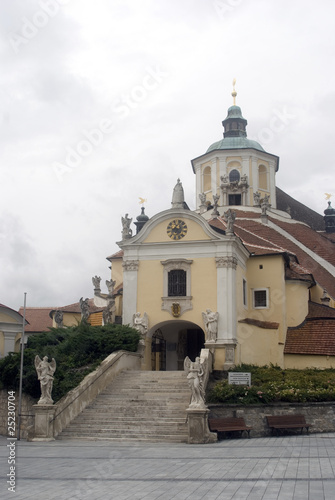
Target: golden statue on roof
x=234 y=93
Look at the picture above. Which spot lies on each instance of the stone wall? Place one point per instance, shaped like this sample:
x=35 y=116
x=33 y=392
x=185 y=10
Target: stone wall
x=320 y=416
x=27 y=413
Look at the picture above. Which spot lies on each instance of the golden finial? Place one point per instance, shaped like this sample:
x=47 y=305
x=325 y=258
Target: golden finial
x=234 y=93
x=142 y=200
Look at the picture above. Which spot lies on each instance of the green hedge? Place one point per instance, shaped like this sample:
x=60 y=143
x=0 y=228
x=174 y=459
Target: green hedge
x=272 y=384
x=77 y=350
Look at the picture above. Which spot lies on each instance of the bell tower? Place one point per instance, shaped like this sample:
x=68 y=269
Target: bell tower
x=236 y=169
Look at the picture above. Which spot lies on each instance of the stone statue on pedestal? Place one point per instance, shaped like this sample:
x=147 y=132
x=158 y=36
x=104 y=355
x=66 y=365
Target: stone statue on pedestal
x=195 y=374
x=216 y=199
x=229 y=217
x=85 y=313
x=141 y=324
x=210 y=320
x=126 y=231
x=58 y=317
x=110 y=285
x=45 y=371
x=96 y=282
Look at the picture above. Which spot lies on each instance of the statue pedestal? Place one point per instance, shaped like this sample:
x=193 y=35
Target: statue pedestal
x=44 y=423
x=198 y=431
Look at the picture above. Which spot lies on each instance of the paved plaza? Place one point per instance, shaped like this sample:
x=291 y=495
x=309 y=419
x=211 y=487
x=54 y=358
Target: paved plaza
x=289 y=467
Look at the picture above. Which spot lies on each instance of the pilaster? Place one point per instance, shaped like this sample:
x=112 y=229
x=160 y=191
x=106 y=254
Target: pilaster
x=130 y=273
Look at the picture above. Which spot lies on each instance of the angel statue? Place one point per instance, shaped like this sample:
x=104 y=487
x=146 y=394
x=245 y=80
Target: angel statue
x=96 y=282
x=195 y=373
x=141 y=324
x=110 y=285
x=45 y=371
x=210 y=320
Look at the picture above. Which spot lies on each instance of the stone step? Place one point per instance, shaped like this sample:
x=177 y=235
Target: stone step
x=152 y=439
x=137 y=406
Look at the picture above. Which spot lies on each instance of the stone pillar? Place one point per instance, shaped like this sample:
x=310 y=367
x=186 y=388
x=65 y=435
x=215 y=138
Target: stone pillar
x=198 y=431
x=44 y=422
x=130 y=268
x=9 y=338
x=226 y=298
x=229 y=356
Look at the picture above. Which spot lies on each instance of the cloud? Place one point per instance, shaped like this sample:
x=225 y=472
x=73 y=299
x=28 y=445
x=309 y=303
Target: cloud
x=92 y=58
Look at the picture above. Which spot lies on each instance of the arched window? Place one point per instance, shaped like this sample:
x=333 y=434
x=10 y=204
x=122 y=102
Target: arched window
x=207 y=179
x=234 y=175
x=262 y=177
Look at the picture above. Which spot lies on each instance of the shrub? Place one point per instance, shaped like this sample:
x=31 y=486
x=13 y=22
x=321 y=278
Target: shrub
x=271 y=383
x=77 y=350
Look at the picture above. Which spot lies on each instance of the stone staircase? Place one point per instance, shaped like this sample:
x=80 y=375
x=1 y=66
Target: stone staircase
x=137 y=406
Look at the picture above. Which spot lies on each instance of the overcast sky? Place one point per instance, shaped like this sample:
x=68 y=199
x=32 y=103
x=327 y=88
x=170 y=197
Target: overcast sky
x=104 y=102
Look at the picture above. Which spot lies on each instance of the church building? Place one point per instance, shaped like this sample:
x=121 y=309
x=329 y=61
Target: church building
x=250 y=274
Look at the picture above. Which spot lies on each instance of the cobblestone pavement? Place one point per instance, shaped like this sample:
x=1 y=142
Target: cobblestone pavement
x=288 y=467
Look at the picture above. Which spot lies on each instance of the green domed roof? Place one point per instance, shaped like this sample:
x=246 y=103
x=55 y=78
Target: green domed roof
x=235 y=112
x=235 y=134
x=235 y=143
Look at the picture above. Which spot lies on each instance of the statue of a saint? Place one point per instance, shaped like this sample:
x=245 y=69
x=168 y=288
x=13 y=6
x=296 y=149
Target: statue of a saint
x=210 y=320
x=244 y=179
x=229 y=217
x=126 y=231
x=45 y=371
x=216 y=198
x=84 y=306
x=141 y=323
x=58 y=317
x=108 y=313
x=195 y=374
x=257 y=199
x=265 y=205
x=202 y=197
x=224 y=179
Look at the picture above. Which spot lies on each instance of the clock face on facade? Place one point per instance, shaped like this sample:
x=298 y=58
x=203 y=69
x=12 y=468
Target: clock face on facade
x=176 y=229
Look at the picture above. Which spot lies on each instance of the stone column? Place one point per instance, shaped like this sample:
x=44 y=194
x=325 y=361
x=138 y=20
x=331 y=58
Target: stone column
x=226 y=295
x=214 y=183
x=130 y=268
x=198 y=431
x=226 y=307
x=44 y=422
x=9 y=337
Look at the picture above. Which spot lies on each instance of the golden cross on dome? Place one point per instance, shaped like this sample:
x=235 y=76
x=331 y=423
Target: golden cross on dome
x=234 y=93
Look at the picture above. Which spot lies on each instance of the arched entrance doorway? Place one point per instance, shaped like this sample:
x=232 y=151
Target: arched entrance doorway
x=172 y=341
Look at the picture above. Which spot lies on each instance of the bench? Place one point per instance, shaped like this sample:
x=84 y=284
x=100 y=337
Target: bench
x=280 y=422
x=228 y=425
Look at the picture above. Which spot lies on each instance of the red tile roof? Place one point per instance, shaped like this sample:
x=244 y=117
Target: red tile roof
x=117 y=255
x=320 y=311
x=316 y=335
x=38 y=318
x=75 y=308
x=267 y=239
